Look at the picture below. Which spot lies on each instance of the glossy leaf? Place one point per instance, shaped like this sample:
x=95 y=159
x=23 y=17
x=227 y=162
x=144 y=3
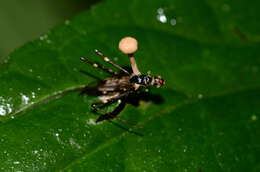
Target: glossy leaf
x=204 y=119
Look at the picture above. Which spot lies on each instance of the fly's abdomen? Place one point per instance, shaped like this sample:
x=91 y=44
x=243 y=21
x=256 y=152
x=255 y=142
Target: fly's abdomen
x=141 y=79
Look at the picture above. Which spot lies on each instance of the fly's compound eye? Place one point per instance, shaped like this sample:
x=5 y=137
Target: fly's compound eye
x=158 y=81
x=161 y=81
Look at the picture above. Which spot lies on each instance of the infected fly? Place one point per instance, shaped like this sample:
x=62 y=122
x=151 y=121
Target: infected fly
x=119 y=86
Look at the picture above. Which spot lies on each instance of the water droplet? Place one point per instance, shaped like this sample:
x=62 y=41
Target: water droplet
x=73 y=143
x=5 y=60
x=67 y=22
x=33 y=95
x=92 y=122
x=200 y=96
x=225 y=7
x=5 y=106
x=173 y=22
x=161 y=16
x=160 y=10
x=253 y=117
x=25 y=99
x=184 y=150
x=236 y=158
x=43 y=37
x=9 y=108
x=115 y=58
x=16 y=162
x=39 y=77
x=2 y=110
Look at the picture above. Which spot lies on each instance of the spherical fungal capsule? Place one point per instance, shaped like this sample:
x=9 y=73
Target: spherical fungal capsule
x=128 y=45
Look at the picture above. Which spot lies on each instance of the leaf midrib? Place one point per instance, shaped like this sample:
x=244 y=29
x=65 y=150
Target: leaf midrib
x=42 y=100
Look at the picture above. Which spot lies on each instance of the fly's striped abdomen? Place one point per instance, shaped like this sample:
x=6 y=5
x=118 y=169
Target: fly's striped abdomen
x=117 y=83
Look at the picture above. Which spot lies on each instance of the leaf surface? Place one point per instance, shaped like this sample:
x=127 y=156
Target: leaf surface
x=207 y=119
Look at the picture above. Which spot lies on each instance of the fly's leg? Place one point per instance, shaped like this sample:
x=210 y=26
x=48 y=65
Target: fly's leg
x=96 y=65
x=108 y=99
x=113 y=114
x=99 y=105
x=106 y=59
x=95 y=106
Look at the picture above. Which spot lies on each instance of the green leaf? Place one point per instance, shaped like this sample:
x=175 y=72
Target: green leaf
x=208 y=54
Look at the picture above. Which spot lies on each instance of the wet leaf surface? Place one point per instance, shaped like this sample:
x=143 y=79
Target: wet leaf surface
x=207 y=116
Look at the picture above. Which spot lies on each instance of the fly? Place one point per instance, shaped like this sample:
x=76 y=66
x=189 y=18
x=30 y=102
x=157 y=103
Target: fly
x=119 y=86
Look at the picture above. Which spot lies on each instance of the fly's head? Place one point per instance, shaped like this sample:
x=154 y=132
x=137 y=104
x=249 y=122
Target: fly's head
x=157 y=81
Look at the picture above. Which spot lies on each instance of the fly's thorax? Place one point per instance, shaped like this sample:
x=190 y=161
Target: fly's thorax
x=141 y=80
x=146 y=80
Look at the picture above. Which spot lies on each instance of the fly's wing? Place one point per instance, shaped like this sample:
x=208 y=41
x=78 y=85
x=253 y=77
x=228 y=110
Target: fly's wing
x=91 y=89
x=113 y=84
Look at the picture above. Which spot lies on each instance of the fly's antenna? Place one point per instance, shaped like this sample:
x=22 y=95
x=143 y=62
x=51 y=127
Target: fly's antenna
x=129 y=46
x=106 y=59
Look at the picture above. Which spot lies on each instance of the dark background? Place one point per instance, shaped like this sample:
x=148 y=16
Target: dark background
x=23 y=21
